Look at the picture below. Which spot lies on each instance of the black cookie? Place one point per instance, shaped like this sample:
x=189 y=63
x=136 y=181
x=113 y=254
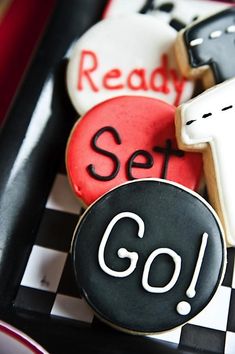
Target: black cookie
x=211 y=42
x=177 y=252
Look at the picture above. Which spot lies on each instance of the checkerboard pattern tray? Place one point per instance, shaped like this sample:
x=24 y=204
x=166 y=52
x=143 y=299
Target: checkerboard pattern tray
x=48 y=285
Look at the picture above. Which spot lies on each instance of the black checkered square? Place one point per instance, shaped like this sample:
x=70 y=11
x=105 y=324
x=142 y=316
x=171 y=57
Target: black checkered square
x=205 y=340
x=34 y=300
x=56 y=230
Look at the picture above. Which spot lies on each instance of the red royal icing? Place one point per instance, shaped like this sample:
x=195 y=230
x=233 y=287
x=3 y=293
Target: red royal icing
x=123 y=126
x=157 y=80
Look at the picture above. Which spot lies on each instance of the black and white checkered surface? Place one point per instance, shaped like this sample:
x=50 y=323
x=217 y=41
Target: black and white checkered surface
x=48 y=285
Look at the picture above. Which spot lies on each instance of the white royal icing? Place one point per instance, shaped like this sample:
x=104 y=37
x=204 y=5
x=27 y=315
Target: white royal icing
x=122 y=252
x=161 y=289
x=231 y=29
x=191 y=292
x=195 y=42
x=216 y=34
x=128 y=55
x=183 y=308
x=210 y=119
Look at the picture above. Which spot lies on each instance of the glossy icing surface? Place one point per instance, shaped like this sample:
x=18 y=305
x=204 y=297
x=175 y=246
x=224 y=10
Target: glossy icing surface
x=126 y=138
x=129 y=55
x=162 y=226
x=208 y=120
x=211 y=42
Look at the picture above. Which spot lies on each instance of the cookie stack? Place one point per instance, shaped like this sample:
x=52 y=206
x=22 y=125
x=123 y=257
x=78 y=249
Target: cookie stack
x=149 y=252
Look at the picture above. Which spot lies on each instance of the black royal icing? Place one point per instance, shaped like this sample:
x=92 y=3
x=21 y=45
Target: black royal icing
x=215 y=37
x=174 y=218
x=91 y=168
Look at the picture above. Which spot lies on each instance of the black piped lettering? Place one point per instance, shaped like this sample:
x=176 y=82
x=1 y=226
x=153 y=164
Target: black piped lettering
x=91 y=168
x=167 y=151
x=131 y=163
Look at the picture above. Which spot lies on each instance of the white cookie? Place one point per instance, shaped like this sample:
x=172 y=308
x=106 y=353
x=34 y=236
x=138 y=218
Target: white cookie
x=131 y=55
x=207 y=123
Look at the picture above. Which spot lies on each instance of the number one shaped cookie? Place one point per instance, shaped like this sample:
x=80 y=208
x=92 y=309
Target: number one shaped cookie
x=207 y=123
x=206 y=48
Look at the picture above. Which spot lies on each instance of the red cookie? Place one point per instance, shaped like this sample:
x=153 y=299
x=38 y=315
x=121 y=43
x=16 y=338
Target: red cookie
x=126 y=138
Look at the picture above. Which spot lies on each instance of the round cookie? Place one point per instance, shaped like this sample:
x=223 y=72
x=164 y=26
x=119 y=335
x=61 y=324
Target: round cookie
x=148 y=256
x=126 y=138
x=128 y=55
x=205 y=49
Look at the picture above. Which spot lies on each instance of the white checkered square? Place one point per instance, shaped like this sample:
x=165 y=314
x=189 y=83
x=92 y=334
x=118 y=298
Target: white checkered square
x=61 y=196
x=215 y=315
x=229 y=343
x=44 y=269
x=169 y=336
x=73 y=308
x=233 y=280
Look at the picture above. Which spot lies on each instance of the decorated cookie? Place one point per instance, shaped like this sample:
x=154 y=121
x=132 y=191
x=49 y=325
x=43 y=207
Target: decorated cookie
x=148 y=256
x=131 y=55
x=206 y=48
x=126 y=138
x=178 y=13
x=207 y=123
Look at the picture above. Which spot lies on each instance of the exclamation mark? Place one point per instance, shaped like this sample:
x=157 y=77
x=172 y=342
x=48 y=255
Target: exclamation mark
x=183 y=307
